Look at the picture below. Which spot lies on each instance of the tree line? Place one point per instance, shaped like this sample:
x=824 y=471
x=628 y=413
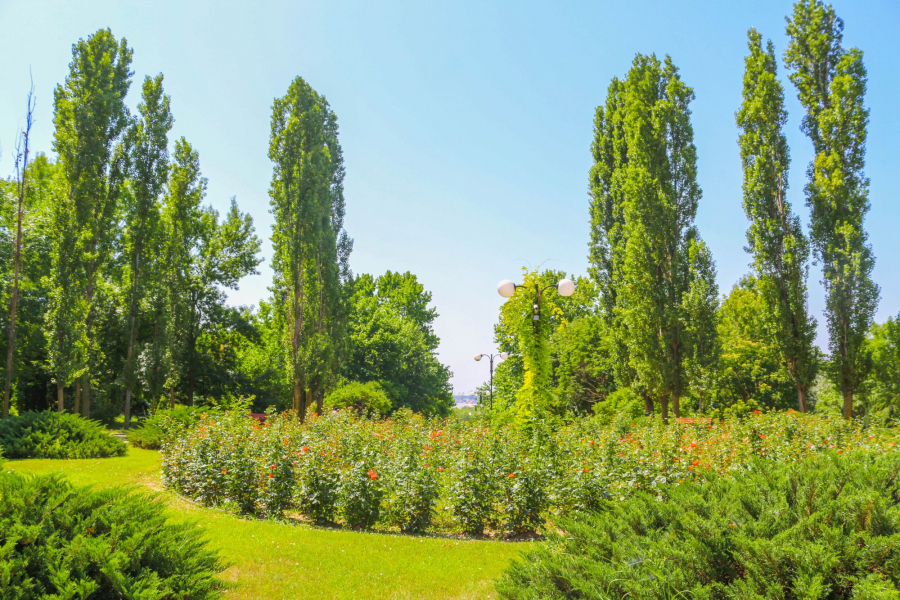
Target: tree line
x=115 y=271
x=648 y=322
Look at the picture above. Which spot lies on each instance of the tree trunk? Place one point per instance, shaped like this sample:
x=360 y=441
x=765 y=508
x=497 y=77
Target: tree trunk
x=320 y=400
x=700 y=407
x=801 y=399
x=648 y=405
x=297 y=397
x=127 y=406
x=77 y=407
x=86 y=395
x=60 y=398
x=664 y=408
x=848 y=405
x=676 y=405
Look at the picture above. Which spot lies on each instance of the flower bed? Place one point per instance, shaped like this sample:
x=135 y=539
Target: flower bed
x=413 y=474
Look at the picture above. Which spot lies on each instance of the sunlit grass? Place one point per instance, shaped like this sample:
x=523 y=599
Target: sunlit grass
x=277 y=560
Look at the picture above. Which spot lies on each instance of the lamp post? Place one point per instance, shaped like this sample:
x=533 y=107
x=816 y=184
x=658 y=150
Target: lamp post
x=565 y=287
x=502 y=356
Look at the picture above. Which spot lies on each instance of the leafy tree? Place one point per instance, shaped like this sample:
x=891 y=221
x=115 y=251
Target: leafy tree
x=701 y=305
x=884 y=348
x=776 y=241
x=609 y=151
x=751 y=369
x=149 y=170
x=661 y=193
x=831 y=85
x=90 y=117
x=311 y=248
x=391 y=341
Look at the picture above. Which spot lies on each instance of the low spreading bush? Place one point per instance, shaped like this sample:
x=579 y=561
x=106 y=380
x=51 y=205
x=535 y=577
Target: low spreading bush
x=398 y=472
x=164 y=424
x=828 y=527
x=367 y=398
x=58 y=541
x=56 y=435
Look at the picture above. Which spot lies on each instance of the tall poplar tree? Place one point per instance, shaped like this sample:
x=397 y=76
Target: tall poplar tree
x=90 y=117
x=149 y=168
x=661 y=193
x=310 y=246
x=181 y=231
x=775 y=238
x=831 y=84
x=609 y=151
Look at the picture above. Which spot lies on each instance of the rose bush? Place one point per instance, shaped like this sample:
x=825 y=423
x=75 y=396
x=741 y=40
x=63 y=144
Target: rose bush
x=398 y=472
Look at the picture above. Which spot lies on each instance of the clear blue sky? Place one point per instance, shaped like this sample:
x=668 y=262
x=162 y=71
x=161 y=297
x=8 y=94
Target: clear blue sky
x=466 y=126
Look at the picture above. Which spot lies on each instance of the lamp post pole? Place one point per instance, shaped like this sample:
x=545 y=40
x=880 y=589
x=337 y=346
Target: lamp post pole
x=491 y=357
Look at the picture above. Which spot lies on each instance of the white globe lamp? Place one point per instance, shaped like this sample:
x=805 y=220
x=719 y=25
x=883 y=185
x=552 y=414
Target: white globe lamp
x=565 y=287
x=506 y=288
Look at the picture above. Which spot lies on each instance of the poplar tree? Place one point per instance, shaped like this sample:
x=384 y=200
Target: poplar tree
x=831 y=85
x=775 y=238
x=149 y=168
x=661 y=193
x=609 y=152
x=90 y=117
x=310 y=246
x=181 y=230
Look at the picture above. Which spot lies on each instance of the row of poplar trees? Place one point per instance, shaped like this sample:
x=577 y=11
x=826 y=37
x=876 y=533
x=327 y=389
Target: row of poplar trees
x=117 y=265
x=656 y=278
x=119 y=269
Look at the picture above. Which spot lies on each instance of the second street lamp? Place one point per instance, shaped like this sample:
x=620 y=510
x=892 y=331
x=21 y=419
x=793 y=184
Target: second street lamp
x=565 y=287
x=501 y=356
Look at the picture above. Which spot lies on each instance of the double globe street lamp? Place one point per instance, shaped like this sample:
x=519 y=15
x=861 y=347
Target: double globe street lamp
x=501 y=356
x=565 y=287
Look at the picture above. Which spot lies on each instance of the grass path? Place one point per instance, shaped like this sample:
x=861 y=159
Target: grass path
x=277 y=560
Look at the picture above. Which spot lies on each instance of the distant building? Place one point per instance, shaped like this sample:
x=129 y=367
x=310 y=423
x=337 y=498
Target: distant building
x=465 y=399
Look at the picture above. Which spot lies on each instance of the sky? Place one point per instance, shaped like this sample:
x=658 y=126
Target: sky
x=466 y=126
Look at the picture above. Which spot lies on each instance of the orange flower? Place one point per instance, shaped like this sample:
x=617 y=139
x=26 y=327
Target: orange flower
x=372 y=474
x=305 y=448
x=696 y=462
x=511 y=475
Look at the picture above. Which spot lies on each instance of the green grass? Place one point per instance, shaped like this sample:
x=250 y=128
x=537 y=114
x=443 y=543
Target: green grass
x=277 y=560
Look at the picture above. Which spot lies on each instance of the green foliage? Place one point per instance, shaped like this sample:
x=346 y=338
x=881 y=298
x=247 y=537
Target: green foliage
x=162 y=426
x=657 y=278
x=776 y=241
x=311 y=248
x=818 y=529
x=624 y=403
x=831 y=85
x=362 y=397
x=751 y=369
x=58 y=541
x=391 y=340
x=56 y=435
x=883 y=347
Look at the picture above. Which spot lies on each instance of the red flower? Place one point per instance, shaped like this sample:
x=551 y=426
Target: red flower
x=271 y=476
x=372 y=474
x=696 y=462
x=305 y=448
x=762 y=437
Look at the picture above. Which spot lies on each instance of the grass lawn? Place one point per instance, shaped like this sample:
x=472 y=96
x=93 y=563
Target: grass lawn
x=277 y=560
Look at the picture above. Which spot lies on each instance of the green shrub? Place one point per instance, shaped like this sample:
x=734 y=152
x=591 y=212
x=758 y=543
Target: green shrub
x=152 y=433
x=363 y=397
x=623 y=403
x=56 y=435
x=58 y=541
x=822 y=528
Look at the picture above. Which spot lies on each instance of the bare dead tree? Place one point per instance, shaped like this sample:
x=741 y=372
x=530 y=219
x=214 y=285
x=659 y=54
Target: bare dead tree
x=22 y=147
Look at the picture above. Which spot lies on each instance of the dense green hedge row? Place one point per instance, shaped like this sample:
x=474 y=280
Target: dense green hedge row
x=414 y=474
x=56 y=435
x=826 y=528
x=58 y=541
